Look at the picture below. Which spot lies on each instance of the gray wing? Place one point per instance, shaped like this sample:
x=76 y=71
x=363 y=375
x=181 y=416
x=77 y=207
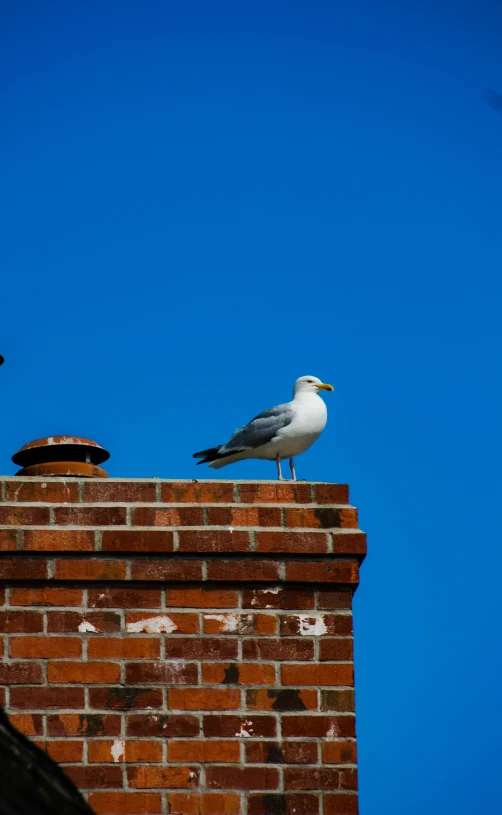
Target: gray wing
x=260 y=430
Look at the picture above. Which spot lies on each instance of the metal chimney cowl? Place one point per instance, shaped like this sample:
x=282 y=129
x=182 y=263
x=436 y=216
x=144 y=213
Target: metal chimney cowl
x=62 y=456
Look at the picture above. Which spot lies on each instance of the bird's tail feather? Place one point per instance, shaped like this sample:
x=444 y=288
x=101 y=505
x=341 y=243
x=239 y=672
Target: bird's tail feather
x=213 y=457
x=228 y=458
x=207 y=455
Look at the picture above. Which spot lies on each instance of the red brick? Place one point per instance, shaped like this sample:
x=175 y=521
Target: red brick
x=24 y=516
x=334 y=598
x=90 y=516
x=126 y=492
x=168 y=516
x=90 y=569
x=298 y=542
x=123 y=648
x=21 y=622
x=244 y=516
x=137 y=540
x=162 y=673
x=247 y=570
x=339 y=674
x=58 y=540
x=21 y=673
x=249 y=725
x=2 y=597
x=142 y=751
x=319 y=778
x=287 y=752
x=33 y=491
x=277 y=649
x=320 y=727
x=336 y=650
x=31 y=724
x=197 y=493
x=321 y=518
x=95 y=777
x=212 y=540
x=29 y=698
x=84 y=673
x=64 y=752
x=201 y=598
x=281 y=699
x=169 y=726
x=137 y=621
x=125 y=803
x=339 y=752
x=45 y=647
x=315 y=778
x=204 y=699
x=275 y=493
x=335 y=571
x=242 y=778
x=162 y=777
x=8 y=540
x=23 y=569
x=216 y=673
x=69 y=621
x=124 y=598
x=240 y=624
x=341 y=804
x=338 y=625
x=288 y=804
x=203 y=752
x=166 y=570
x=278 y=597
x=341 y=700
x=332 y=493
x=46 y=597
x=120 y=698
x=349 y=543
x=204 y=804
x=348 y=779
x=201 y=648
x=85 y=725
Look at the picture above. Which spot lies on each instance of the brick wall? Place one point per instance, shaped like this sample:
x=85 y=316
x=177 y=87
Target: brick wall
x=184 y=647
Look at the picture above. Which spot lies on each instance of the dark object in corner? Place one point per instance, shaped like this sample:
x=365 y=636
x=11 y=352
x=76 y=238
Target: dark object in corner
x=1 y=360
x=31 y=783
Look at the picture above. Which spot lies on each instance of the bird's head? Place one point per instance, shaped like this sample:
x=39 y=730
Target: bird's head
x=310 y=384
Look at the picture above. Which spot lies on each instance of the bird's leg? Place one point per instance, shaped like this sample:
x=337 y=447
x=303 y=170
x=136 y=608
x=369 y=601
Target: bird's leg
x=292 y=467
x=279 y=474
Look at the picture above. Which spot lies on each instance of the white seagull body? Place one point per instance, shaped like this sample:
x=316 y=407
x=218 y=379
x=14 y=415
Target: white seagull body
x=282 y=432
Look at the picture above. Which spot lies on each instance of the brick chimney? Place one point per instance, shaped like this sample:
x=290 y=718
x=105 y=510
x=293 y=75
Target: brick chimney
x=184 y=647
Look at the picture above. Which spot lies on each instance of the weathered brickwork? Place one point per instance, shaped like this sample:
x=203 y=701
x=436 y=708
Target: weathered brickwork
x=184 y=647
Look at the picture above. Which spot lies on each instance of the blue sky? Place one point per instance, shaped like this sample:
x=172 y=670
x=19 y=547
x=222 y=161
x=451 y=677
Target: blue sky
x=201 y=202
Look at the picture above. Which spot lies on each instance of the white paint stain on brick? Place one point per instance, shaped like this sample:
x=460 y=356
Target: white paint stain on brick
x=332 y=731
x=87 y=627
x=162 y=624
x=274 y=590
x=312 y=629
x=117 y=749
x=230 y=621
x=246 y=730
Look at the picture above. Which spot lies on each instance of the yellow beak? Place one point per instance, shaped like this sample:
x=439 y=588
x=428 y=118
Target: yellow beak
x=325 y=387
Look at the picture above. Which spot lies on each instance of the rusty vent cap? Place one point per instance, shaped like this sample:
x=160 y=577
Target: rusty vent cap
x=62 y=455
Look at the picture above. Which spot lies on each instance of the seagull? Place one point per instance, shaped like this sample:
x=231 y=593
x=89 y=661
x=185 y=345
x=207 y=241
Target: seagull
x=282 y=432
